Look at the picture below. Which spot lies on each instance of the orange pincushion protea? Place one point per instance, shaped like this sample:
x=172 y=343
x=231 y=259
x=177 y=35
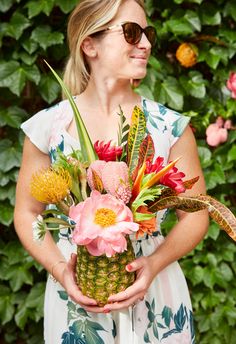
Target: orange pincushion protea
x=186 y=54
x=50 y=186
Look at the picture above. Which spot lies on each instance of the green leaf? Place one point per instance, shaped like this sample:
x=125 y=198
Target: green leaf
x=18 y=23
x=6 y=214
x=213 y=231
x=193 y=19
x=65 y=5
x=49 y=88
x=205 y=156
x=5 y=5
x=197 y=275
x=226 y=272
x=136 y=135
x=87 y=148
x=21 y=316
x=8 y=192
x=36 y=7
x=210 y=15
x=18 y=275
x=30 y=46
x=230 y=9
x=10 y=156
x=231 y=156
x=24 y=57
x=7 y=308
x=169 y=92
x=13 y=75
x=194 y=84
x=214 y=177
x=44 y=36
x=179 y=26
x=12 y=116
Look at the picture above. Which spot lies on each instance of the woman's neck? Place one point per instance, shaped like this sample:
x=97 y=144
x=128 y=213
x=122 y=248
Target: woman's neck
x=108 y=94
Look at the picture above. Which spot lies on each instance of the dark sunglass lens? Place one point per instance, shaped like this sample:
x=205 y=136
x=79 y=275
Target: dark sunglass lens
x=132 y=32
x=151 y=35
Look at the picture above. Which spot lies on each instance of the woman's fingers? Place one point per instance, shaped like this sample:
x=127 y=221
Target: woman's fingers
x=123 y=304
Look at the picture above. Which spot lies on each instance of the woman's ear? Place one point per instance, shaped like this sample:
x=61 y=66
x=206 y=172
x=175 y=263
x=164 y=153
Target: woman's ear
x=88 y=47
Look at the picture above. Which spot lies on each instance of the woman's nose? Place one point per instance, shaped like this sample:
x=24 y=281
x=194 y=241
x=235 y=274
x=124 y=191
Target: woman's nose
x=144 y=42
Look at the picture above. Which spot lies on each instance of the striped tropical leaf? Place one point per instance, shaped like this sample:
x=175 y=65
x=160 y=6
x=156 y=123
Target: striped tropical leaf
x=135 y=138
x=217 y=211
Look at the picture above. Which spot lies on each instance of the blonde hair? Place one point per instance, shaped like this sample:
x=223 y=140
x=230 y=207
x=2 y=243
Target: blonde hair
x=89 y=17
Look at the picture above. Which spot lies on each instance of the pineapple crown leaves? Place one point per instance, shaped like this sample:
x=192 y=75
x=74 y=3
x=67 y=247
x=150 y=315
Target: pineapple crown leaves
x=217 y=211
x=135 y=137
x=85 y=141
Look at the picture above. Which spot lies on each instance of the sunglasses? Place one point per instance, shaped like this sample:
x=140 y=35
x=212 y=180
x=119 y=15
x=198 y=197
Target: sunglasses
x=133 y=32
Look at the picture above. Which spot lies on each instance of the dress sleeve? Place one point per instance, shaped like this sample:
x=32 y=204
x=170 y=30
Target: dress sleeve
x=38 y=128
x=177 y=124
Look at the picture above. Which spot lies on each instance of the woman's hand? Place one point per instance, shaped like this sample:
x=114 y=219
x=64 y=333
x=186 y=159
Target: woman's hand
x=136 y=292
x=69 y=283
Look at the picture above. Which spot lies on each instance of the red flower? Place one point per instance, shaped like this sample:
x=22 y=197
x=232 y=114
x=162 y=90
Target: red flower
x=107 y=152
x=157 y=166
x=173 y=179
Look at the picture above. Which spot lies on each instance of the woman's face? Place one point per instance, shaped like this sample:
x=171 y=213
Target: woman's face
x=115 y=57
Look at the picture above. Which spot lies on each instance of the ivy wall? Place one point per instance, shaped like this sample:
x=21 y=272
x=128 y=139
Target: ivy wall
x=31 y=31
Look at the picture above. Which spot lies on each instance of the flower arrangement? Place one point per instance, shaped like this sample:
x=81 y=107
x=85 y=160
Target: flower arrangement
x=105 y=193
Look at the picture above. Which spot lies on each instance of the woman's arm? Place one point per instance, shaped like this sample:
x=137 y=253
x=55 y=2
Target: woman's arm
x=26 y=211
x=183 y=237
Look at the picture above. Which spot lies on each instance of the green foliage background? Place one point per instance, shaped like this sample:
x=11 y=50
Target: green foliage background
x=31 y=31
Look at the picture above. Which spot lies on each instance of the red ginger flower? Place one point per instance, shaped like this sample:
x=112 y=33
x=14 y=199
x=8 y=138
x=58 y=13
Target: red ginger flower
x=172 y=178
x=107 y=152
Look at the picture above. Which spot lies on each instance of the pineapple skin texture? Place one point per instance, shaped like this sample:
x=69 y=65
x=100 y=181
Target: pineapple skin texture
x=99 y=277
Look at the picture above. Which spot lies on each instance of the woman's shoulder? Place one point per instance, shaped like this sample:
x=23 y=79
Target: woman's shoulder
x=167 y=121
x=40 y=126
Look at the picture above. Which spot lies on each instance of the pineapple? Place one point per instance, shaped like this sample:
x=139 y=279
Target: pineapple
x=99 y=277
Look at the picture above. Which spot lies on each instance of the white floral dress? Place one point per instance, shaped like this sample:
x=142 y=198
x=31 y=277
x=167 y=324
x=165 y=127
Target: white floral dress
x=165 y=315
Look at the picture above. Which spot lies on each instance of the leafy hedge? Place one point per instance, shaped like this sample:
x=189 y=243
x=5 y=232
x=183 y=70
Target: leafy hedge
x=31 y=31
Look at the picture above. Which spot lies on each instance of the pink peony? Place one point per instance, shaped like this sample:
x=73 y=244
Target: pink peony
x=231 y=84
x=216 y=133
x=107 y=152
x=102 y=221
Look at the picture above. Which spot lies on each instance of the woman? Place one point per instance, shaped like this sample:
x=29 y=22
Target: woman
x=107 y=50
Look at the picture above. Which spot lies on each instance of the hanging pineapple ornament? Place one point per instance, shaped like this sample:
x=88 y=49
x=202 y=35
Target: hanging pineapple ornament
x=187 y=54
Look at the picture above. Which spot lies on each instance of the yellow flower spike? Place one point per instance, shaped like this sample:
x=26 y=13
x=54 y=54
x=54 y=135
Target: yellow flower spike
x=50 y=186
x=160 y=174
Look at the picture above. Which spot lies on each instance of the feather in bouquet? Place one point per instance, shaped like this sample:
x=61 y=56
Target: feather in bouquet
x=105 y=193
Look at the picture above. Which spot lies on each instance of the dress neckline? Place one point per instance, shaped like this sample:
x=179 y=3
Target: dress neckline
x=75 y=140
